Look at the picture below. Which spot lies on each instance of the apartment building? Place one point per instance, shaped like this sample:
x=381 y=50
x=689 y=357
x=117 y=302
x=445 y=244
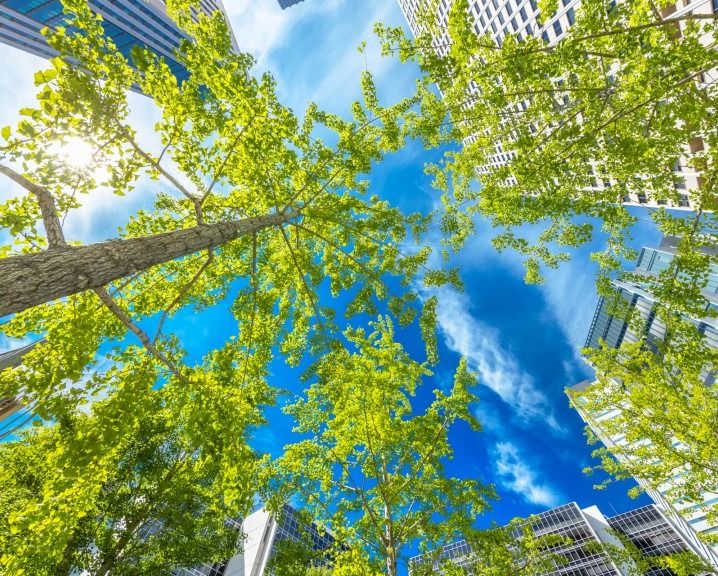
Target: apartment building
x=499 y=18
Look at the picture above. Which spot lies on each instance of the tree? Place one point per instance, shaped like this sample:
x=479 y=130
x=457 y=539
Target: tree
x=256 y=210
x=158 y=507
x=621 y=106
x=663 y=422
x=618 y=99
x=369 y=468
x=253 y=204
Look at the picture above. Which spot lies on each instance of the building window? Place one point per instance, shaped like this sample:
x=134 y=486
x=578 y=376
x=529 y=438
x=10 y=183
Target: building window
x=572 y=16
x=557 y=28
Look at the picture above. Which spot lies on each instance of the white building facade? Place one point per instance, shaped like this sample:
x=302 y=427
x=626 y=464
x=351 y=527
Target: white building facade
x=614 y=331
x=498 y=18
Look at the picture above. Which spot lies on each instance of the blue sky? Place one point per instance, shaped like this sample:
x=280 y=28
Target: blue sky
x=522 y=340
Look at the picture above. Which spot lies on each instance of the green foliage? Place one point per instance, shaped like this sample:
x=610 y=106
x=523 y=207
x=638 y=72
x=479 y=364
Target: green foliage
x=244 y=155
x=239 y=154
x=606 y=111
x=155 y=507
x=370 y=469
x=605 y=114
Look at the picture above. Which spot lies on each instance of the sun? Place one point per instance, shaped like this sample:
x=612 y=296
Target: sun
x=75 y=153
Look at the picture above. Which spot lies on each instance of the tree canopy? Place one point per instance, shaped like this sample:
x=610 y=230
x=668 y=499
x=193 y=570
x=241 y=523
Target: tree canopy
x=157 y=508
x=268 y=215
x=256 y=211
x=603 y=105
x=370 y=469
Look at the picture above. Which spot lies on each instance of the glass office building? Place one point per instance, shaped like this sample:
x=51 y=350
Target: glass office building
x=287 y=3
x=129 y=23
x=262 y=531
x=15 y=411
x=651 y=531
x=612 y=328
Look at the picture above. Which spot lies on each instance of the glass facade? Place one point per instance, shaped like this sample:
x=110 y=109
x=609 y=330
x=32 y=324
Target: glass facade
x=567 y=520
x=610 y=326
x=269 y=529
x=651 y=533
x=647 y=528
x=16 y=411
x=287 y=3
x=609 y=321
x=290 y=526
x=127 y=22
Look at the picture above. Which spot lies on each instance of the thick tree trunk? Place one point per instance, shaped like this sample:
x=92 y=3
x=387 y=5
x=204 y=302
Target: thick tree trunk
x=32 y=279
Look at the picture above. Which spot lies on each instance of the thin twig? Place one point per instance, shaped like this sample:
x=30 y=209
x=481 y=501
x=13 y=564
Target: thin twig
x=108 y=301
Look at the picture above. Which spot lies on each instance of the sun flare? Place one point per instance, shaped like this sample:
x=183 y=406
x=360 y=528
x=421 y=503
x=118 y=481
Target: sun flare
x=75 y=152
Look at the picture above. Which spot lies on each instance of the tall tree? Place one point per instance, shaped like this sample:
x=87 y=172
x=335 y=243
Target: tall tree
x=370 y=469
x=159 y=506
x=252 y=204
x=622 y=105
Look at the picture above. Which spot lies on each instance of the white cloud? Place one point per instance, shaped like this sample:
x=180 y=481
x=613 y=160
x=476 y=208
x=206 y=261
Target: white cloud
x=514 y=474
x=326 y=67
x=497 y=368
x=571 y=295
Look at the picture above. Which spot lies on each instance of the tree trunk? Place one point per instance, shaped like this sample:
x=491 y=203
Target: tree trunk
x=32 y=279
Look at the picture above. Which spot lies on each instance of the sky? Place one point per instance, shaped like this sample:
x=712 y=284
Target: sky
x=523 y=341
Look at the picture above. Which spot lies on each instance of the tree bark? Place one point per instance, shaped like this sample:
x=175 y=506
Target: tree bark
x=33 y=279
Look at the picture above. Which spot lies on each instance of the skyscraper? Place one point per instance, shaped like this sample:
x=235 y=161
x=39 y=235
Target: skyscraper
x=263 y=531
x=128 y=22
x=651 y=531
x=498 y=18
x=287 y=3
x=14 y=413
x=615 y=330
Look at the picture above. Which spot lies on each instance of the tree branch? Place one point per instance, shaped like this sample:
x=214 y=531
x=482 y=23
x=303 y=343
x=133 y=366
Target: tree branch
x=108 y=301
x=48 y=210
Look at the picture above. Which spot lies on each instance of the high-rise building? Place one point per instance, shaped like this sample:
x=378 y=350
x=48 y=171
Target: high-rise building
x=128 y=22
x=650 y=530
x=614 y=330
x=14 y=412
x=287 y=3
x=263 y=531
x=498 y=18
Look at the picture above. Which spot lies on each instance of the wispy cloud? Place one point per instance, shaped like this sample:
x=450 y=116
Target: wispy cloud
x=497 y=368
x=515 y=474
